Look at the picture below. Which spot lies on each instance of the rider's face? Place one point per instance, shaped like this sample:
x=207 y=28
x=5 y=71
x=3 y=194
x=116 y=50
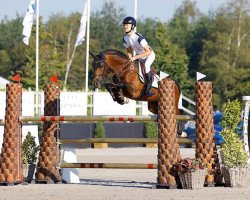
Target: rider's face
x=127 y=27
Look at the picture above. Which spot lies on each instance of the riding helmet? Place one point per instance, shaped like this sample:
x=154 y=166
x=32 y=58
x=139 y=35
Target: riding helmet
x=130 y=20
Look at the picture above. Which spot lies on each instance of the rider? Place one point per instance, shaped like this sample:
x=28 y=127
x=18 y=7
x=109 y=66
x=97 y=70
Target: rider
x=135 y=41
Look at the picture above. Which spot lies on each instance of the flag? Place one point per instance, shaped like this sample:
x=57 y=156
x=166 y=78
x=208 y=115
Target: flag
x=81 y=33
x=54 y=79
x=16 y=77
x=28 y=21
x=199 y=76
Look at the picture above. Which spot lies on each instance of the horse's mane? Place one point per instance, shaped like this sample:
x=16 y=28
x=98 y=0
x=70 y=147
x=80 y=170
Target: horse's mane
x=115 y=52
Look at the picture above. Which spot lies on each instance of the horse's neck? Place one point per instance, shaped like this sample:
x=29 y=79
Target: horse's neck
x=119 y=65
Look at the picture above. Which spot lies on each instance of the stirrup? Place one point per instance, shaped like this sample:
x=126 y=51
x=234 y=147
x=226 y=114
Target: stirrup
x=148 y=91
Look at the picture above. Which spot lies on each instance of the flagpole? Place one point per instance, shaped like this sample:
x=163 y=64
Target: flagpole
x=37 y=53
x=135 y=9
x=135 y=16
x=87 y=50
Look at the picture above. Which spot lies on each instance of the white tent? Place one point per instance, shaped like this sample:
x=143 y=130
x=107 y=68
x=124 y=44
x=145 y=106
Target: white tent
x=3 y=82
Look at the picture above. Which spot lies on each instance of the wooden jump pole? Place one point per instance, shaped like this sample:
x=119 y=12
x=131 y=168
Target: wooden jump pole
x=109 y=165
x=119 y=140
x=99 y=118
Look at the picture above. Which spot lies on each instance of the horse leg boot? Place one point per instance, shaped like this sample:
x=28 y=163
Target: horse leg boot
x=149 y=80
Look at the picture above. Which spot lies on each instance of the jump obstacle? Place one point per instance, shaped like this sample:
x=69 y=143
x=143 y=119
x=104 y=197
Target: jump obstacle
x=48 y=166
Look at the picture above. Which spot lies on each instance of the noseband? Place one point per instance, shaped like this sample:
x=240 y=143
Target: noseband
x=101 y=63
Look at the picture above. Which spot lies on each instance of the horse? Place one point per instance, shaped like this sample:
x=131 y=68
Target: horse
x=120 y=76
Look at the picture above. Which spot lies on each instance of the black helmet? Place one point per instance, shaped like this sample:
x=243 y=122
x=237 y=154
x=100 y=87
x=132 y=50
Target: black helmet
x=130 y=20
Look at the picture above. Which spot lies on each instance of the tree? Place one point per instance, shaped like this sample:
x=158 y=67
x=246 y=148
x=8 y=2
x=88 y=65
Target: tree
x=225 y=53
x=181 y=26
x=169 y=57
x=11 y=50
x=49 y=59
x=106 y=26
x=64 y=33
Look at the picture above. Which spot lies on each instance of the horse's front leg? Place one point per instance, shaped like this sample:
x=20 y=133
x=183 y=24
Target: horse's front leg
x=116 y=93
x=110 y=89
x=120 y=97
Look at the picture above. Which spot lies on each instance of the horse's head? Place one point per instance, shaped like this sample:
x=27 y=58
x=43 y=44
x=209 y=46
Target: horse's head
x=101 y=69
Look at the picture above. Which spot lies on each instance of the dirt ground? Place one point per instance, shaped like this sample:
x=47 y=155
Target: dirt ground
x=119 y=184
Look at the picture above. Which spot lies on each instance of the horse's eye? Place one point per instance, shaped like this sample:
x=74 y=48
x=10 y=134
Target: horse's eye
x=95 y=64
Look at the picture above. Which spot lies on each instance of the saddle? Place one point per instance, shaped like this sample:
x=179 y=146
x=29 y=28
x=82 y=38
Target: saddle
x=148 y=79
x=141 y=67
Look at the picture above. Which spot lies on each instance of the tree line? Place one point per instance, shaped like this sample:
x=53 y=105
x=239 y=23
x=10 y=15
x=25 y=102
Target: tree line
x=216 y=43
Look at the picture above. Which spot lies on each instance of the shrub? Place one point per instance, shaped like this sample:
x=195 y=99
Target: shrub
x=231 y=115
x=99 y=131
x=29 y=149
x=232 y=148
x=151 y=129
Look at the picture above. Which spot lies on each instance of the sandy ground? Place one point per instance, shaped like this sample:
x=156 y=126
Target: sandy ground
x=119 y=184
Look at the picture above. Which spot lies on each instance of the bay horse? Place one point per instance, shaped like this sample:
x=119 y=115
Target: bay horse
x=120 y=77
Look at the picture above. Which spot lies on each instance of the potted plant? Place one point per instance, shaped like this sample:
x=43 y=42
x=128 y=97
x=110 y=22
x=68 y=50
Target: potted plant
x=151 y=130
x=29 y=154
x=191 y=172
x=99 y=132
x=234 y=157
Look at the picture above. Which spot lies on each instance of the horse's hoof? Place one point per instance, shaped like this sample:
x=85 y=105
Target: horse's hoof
x=126 y=100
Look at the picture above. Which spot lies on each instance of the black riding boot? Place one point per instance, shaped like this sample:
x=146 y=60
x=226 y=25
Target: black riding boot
x=149 y=80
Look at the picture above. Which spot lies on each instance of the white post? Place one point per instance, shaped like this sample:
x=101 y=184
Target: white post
x=245 y=123
x=87 y=51
x=37 y=53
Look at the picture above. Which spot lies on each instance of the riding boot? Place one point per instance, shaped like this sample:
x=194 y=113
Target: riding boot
x=149 y=80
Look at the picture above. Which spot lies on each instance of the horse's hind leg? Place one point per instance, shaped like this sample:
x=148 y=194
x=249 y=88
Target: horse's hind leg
x=181 y=126
x=153 y=107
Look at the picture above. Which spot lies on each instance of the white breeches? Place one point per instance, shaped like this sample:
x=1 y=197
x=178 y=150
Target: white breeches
x=148 y=61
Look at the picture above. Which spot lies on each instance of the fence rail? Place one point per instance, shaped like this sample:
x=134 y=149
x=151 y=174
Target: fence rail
x=99 y=118
x=119 y=140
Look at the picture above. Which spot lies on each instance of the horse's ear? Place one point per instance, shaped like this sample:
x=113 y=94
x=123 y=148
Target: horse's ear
x=102 y=56
x=92 y=55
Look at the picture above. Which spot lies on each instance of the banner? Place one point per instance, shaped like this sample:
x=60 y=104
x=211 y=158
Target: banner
x=82 y=29
x=103 y=104
x=28 y=21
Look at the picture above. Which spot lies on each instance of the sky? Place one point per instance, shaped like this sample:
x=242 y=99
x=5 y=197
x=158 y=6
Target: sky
x=160 y=9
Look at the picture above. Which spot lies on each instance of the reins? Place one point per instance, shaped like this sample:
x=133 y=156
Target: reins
x=119 y=73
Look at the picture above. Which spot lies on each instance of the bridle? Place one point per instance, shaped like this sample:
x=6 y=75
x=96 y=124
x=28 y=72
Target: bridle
x=101 y=63
x=108 y=79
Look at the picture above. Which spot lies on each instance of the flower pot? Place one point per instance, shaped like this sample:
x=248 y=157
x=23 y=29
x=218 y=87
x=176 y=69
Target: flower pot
x=100 y=145
x=210 y=179
x=151 y=145
x=235 y=177
x=28 y=172
x=192 y=180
